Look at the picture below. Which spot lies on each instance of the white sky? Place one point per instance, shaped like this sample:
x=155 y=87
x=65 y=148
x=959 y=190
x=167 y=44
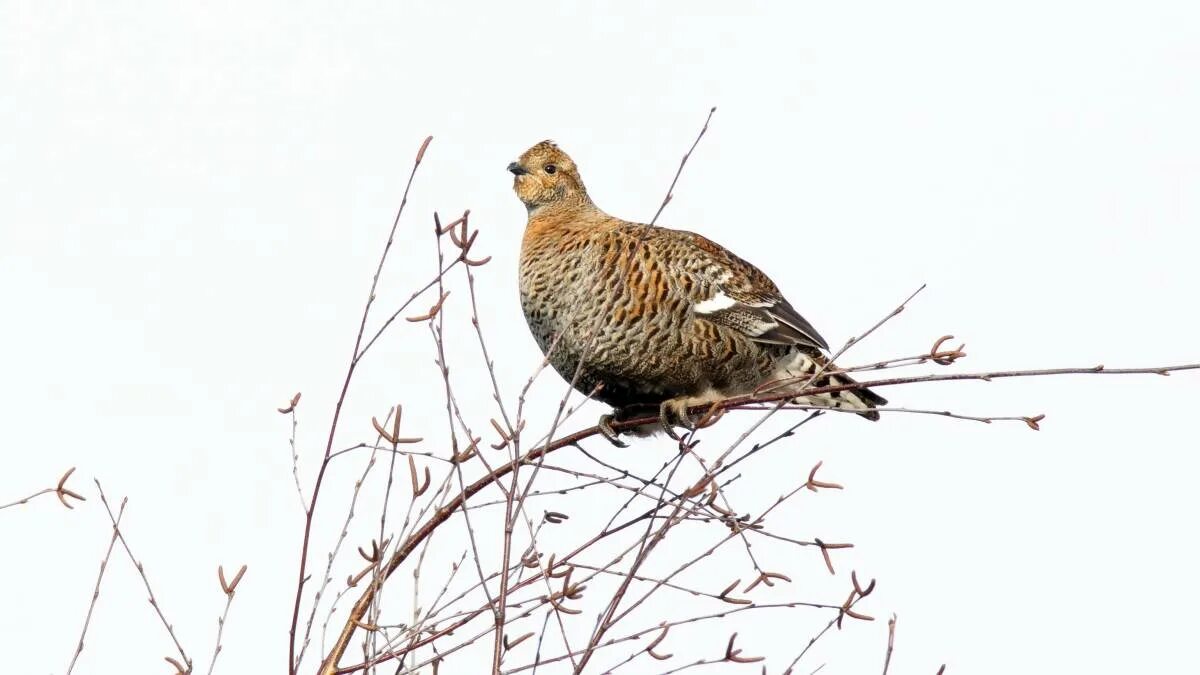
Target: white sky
x=192 y=198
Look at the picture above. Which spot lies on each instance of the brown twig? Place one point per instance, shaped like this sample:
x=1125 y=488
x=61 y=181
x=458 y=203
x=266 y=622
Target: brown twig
x=60 y=490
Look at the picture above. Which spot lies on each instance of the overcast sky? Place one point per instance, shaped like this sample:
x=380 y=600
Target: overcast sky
x=193 y=196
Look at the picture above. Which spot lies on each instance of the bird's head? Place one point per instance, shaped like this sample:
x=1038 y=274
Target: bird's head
x=546 y=176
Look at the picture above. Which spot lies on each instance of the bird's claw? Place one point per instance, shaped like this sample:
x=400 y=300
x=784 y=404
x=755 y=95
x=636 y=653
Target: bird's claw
x=674 y=413
x=607 y=431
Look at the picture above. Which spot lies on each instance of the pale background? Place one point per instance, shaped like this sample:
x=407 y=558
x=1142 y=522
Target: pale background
x=192 y=198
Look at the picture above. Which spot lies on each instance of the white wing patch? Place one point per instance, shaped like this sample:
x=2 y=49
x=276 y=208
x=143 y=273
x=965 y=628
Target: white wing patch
x=749 y=318
x=715 y=304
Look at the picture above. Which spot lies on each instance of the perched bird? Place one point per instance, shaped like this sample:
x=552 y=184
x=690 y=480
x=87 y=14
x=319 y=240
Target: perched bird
x=651 y=318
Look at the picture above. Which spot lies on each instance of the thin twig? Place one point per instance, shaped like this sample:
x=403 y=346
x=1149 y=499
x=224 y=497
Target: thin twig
x=740 y=402
x=814 y=639
x=682 y=163
x=145 y=581
x=356 y=355
x=229 y=589
x=891 y=643
x=96 y=592
x=296 y=455
x=327 y=577
x=61 y=490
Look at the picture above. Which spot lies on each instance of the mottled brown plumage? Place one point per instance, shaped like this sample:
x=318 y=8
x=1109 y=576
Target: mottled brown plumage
x=657 y=318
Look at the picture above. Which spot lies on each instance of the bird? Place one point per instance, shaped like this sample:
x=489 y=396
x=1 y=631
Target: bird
x=648 y=318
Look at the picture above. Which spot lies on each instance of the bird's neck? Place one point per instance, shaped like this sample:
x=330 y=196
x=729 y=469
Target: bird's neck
x=575 y=210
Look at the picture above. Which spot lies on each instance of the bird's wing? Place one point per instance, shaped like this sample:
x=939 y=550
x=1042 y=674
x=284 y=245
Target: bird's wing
x=731 y=292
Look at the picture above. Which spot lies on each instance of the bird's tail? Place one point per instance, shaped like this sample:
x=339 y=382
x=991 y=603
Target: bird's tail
x=800 y=372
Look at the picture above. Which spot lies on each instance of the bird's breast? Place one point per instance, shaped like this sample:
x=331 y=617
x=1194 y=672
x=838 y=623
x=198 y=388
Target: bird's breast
x=553 y=278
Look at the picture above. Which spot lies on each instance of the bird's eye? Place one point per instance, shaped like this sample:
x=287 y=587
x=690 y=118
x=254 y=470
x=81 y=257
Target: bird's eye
x=550 y=168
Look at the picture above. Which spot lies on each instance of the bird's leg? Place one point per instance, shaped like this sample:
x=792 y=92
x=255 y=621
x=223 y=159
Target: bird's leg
x=606 y=430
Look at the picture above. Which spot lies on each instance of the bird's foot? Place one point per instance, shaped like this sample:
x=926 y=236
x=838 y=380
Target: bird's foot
x=674 y=412
x=607 y=431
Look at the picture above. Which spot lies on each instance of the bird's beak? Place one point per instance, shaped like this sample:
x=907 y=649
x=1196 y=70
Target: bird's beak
x=517 y=169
